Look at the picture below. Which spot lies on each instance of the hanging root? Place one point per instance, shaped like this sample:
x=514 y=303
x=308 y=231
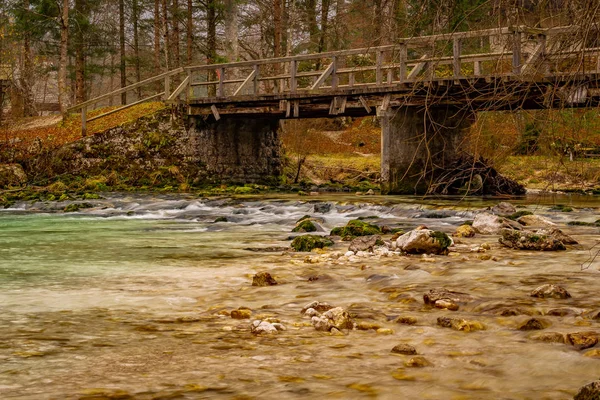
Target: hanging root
x=468 y=176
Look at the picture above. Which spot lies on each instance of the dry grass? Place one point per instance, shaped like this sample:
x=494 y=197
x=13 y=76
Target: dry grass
x=31 y=134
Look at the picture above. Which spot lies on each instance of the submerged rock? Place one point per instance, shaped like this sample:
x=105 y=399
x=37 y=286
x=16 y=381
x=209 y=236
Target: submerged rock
x=241 y=313
x=404 y=348
x=365 y=243
x=310 y=242
x=334 y=318
x=550 y=291
x=417 y=362
x=582 y=340
x=590 y=391
x=489 y=224
x=464 y=231
x=263 y=279
x=426 y=241
x=529 y=241
x=443 y=298
x=533 y=324
x=459 y=324
x=550 y=337
x=322 y=208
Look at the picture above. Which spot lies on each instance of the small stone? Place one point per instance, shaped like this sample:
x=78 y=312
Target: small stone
x=404 y=348
x=370 y=192
x=263 y=279
x=385 y=331
x=366 y=326
x=417 y=362
x=464 y=231
x=446 y=304
x=589 y=392
x=594 y=353
x=503 y=208
x=333 y=318
x=557 y=234
x=349 y=253
x=582 y=340
x=533 y=324
x=262 y=327
x=550 y=337
x=529 y=241
x=406 y=320
x=424 y=241
x=550 y=291
x=485 y=246
x=317 y=306
x=488 y=224
x=242 y=313
x=535 y=220
x=279 y=326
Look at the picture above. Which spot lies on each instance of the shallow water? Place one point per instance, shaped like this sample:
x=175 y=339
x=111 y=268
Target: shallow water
x=131 y=298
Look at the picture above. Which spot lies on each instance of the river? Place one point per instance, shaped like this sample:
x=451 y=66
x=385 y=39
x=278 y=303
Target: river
x=131 y=299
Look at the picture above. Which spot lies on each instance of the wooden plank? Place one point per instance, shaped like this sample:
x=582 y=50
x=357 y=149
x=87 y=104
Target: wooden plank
x=126 y=107
x=364 y=103
x=167 y=87
x=296 y=108
x=477 y=68
x=256 y=77
x=220 y=88
x=456 y=50
x=417 y=69
x=323 y=77
x=403 y=56
x=91 y=102
x=215 y=112
x=516 y=58
x=293 y=79
x=534 y=57
x=83 y=122
x=379 y=63
x=386 y=102
x=179 y=89
x=247 y=81
x=334 y=77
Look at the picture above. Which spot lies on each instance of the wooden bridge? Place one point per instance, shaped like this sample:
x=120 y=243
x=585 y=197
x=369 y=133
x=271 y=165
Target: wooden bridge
x=457 y=74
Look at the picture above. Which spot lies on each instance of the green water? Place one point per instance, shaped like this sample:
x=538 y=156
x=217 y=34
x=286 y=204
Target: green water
x=104 y=305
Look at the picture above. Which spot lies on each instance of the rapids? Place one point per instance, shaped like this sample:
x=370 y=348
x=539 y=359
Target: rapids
x=131 y=299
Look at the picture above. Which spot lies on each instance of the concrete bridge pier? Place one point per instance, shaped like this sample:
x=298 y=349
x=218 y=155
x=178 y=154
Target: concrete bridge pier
x=238 y=149
x=416 y=141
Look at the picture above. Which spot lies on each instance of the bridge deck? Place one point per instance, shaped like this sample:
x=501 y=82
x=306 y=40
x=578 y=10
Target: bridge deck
x=487 y=69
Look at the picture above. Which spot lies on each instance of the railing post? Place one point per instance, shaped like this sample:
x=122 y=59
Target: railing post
x=456 y=50
x=403 y=56
x=334 y=77
x=188 y=94
x=542 y=56
x=516 y=58
x=256 y=76
x=477 y=68
x=83 y=121
x=293 y=79
x=167 y=87
x=351 y=78
x=379 y=73
x=220 y=91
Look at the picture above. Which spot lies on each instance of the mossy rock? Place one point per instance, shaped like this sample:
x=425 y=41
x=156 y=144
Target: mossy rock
x=76 y=207
x=518 y=214
x=303 y=218
x=305 y=225
x=221 y=219
x=244 y=190
x=581 y=223
x=310 y=242
x=355 y=228
x=561 y=208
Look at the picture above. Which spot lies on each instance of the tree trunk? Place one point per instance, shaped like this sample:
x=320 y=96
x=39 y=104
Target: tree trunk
x=277 y=28
x=175 y=25
x=378 y=22
x=122 y=49
x=311 y=22
x=157 y=36
x=231 y=31
x=79 y=54
x=136 y=44
x=324 y=26
x=167 y=40
x=211 y=41
x=27 y=76
x=190 y=31
x=63 y=96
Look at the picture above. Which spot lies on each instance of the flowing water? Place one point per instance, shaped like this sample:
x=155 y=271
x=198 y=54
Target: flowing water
x=131 y=299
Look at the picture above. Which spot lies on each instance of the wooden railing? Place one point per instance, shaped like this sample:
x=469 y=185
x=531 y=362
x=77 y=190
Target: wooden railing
x=512 y=53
